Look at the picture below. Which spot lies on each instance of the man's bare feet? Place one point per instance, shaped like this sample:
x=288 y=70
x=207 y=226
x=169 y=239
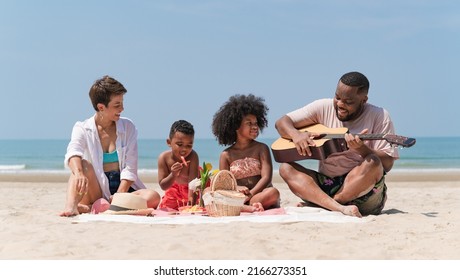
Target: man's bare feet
x=351 y=210
x=306 y=204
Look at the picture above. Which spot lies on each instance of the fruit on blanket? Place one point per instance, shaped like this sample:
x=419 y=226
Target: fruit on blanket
x=191 y=209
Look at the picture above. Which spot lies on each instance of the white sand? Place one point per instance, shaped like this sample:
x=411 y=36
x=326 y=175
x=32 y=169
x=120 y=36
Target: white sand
x=420 y=222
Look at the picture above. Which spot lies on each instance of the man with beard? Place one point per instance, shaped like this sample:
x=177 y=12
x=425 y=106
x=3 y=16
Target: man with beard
x=352 y=181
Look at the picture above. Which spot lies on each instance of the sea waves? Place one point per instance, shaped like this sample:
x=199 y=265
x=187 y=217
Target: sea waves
x=12 y=167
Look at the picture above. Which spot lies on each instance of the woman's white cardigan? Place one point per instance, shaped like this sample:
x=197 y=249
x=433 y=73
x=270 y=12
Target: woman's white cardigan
x=86 y=144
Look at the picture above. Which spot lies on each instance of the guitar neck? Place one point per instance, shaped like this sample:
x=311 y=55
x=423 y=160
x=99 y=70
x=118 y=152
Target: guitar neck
x=361 y=136
x=392 y=139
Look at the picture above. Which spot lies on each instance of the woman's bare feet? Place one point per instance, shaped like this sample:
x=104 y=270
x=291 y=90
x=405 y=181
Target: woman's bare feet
x=82 y=208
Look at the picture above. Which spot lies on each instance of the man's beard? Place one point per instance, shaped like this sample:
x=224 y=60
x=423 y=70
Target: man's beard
x=349 y=117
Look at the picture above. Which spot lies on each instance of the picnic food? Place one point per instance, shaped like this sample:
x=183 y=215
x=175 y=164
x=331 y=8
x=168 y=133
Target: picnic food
x=184 y=161
x=192 y=209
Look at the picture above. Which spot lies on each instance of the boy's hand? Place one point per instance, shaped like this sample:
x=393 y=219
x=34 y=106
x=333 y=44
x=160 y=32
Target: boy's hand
x=176 y=168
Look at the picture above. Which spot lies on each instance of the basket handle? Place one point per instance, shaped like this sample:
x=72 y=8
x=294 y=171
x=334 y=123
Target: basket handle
x=218 y=181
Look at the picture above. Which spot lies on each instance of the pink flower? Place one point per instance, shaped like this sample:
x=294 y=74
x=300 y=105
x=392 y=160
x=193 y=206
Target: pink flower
x=328 y=182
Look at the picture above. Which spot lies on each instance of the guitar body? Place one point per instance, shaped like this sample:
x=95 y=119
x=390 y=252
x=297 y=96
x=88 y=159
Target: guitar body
x=284 y=149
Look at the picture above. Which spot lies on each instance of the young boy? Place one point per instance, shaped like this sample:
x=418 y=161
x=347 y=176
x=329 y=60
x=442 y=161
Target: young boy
x=178 y=166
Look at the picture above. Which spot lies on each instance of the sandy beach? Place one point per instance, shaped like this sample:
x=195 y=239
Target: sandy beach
x=420 y=222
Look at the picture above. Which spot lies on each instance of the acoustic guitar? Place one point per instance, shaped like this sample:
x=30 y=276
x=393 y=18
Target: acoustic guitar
x=329 y=141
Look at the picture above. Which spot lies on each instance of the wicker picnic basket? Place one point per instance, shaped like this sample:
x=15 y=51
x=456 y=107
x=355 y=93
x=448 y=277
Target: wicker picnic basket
x=223 y=199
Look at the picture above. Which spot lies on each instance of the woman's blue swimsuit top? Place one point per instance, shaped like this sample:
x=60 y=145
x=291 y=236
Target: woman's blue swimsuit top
x=110 y=157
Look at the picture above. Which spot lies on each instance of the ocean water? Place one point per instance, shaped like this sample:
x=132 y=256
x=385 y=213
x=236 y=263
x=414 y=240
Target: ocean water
x=47 y=156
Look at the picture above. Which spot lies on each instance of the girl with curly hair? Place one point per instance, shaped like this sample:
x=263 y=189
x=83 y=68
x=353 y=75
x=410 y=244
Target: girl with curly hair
x=237 y=124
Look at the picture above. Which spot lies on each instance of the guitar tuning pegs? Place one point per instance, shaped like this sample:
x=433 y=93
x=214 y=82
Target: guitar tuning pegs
x=395 y=146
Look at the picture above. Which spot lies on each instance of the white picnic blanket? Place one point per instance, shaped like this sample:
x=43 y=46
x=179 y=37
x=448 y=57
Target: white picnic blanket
x=291 y=215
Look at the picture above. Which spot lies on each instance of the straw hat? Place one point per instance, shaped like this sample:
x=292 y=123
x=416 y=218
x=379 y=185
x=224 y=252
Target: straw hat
x=128 y=204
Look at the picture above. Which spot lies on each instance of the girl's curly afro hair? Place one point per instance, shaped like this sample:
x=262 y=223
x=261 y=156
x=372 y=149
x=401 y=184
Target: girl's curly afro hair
x=229 y=116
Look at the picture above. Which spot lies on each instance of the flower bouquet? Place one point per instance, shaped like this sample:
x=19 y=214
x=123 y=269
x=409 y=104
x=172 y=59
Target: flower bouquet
x=198 y=185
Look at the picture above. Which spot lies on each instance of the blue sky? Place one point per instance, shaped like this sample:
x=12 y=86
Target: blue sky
x=183 y=59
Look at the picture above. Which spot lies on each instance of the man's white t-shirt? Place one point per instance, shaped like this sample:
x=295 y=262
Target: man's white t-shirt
x=377 y=120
